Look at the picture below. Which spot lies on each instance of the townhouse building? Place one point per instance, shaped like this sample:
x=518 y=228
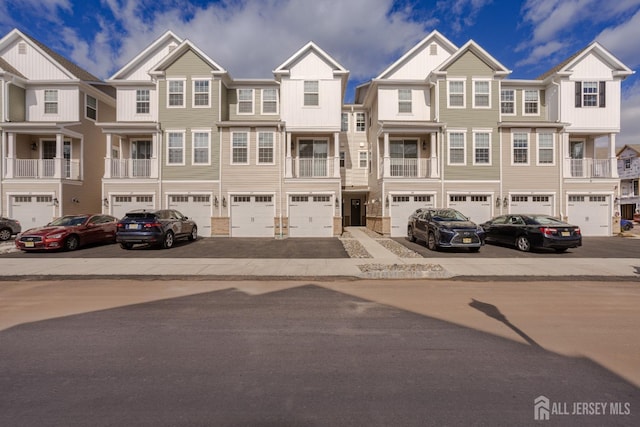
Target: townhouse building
x=51 y=147
x=629 y=172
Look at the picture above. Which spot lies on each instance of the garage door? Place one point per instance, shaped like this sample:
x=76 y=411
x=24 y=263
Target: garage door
x=120 y=205
x=475 y=207
x=402 y=206
x=310 y=216
x=252 y=216
x=32 y=211
x=196 y=207
x=591 y=213
x=529 y=204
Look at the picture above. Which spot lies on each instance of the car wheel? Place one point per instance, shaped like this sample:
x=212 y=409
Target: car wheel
x=194 y=234
x=626 y=227
x=71 y=244
x=126 y=246
x=412 y=238
x=5 y=234
x=523 y=244
x=431 y=242
x=168 y=240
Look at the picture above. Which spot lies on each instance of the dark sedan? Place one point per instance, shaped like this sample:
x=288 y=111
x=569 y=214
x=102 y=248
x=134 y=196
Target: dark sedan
x=533 y=231
x=445 y=228
x=9 y=227
x=69 y=232
x=155 y=227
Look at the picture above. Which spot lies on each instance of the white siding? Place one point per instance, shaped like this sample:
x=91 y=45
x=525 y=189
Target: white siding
x=68 y=105
x=388 y=101
x=127 y=105
x=140 y=73
x=324 y=117
x=591 y=68
x=418 y=66
x=311 y=67
x=33 y=64
x=592 y=118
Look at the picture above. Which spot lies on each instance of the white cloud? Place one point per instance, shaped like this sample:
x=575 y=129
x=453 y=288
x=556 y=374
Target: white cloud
x=629 y=113
x=622 y=40
x=541 y=52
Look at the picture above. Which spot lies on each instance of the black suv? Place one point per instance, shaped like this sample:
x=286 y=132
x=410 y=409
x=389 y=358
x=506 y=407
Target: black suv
x=155 y=227
x=445 y=228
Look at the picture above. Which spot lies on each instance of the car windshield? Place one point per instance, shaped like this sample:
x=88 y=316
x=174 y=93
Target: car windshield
x=448 y=215
x=69 y=221
x=546 y=220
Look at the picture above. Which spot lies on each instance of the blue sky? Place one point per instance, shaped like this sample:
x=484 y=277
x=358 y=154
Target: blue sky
x=250 y=38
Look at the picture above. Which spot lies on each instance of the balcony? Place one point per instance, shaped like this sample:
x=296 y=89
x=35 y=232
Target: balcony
x=588 y=168
x=409 y=168
x=130 y=168
x=314 y=168
x=42 y=169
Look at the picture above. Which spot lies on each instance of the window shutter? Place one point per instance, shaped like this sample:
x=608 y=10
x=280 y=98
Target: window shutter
x=603 y=94
x=578 y=94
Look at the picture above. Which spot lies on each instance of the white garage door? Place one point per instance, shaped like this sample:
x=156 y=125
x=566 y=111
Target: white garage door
x=120 y=205
x=197 y=208
x=475 y=207
x=401 y=207
x=529 y=204
x=310 y=216
x=252 y=216
x=591 y=213
x=32 y=211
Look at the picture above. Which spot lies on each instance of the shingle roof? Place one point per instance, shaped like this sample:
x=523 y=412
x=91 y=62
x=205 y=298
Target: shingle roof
x=4 y=65
x=559 y=66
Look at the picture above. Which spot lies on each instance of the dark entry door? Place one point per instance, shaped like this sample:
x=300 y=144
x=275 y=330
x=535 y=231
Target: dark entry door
x=355 y=212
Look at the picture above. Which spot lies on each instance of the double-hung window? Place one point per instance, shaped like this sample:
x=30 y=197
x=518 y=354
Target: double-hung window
x=91 y=109
x=175 y=148
x=265 y=148
x=507 y=101
x=456 y=94
x=269 y=101
x=591 y=94
x=404 y=101
x=245 y=101
x=531 y=102
x=344 y=124
x=457 y=151
x=240 y=148
x=481 y=94
x=175 y=93
x=362 y=159
x=143 y=101
x=311 y=93
x=545 y=148
x=360 y=122
x=520 y=148
x=201 y=93
x=201 y=147
x=51 y=101
x=481 y=148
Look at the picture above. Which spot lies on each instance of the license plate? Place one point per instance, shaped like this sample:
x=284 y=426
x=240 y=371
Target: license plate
x=133 y=226
x=466 y=240
x=566 y=234
x=29 y=245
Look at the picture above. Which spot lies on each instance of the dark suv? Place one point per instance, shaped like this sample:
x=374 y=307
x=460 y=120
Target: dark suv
x=445 y=228
x=155 y=227
x=9 y=227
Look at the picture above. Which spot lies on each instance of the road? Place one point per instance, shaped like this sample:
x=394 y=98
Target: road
x=403 y=353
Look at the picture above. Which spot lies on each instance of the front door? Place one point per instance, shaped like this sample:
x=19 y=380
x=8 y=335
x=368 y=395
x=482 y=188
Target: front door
x=577 y=158
x=140 y=155
x=355 y=212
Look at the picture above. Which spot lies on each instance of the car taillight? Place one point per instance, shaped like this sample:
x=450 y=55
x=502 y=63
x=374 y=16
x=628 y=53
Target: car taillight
x=120 y=225
x=152 y=224
x=577 y=231
x=548 y=231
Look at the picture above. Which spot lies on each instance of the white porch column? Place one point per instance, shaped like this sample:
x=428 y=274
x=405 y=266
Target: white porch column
x=433 y=173
x=288 y=164
x=385 y=158
x=153 y=172
x=107 y=158
x=336 y=155
x=612 y=156
x=57 y=171
x=11 y=154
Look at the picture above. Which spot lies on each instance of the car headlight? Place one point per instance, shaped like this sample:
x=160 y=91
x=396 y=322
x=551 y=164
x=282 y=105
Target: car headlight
x=54 y=236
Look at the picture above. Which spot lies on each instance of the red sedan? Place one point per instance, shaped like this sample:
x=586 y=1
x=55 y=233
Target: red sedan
x=69 y=232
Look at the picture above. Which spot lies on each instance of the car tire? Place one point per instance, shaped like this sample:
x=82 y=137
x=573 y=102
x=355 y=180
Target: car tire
x=5 y=234
x=168 y=240
x=72 y=243
x=410 y=235
x=126 y=246
x=523 y=244
x=194 y=234
x=431 y=242
x=627 y=227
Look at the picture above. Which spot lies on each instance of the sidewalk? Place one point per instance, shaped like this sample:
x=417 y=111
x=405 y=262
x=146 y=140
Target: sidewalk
x=383 y=264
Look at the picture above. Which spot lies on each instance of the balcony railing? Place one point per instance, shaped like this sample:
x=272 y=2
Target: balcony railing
x=43 y=168
x=129 y=168
x=313 y=168
x=410 y=168
x=588 y=168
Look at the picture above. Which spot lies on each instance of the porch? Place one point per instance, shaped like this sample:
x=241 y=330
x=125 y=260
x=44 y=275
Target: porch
x=131 y=153
x=312 y=156
x=589 y=156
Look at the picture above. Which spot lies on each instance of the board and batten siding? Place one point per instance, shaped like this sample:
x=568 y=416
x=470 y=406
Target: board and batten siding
x=420 y=64
x=420 y=104
x=68 y=104
x=32 y=64
x=127 y=105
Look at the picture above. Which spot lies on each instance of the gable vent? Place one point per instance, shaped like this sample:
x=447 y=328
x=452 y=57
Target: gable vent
x=172 y=48
x=22 y=48
x=433 y=49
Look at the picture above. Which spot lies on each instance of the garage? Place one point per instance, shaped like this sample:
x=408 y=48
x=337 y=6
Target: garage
x=252 y=216
x=402 y=206
x=531 y=204
x=32 y=211
x=120 y=205
x=475 y=207
x=310 y=216
x=592 y=213
x=195 y=206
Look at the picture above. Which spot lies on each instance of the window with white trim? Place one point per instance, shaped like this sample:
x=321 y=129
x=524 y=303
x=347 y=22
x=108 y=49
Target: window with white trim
x=456 y=93
x=91 y=107
x=143 y=101
x=311 y=93
x=362 y=159
x=343 y=157
x=508 y=101
x=344 y=124
x=175 y=93
x=175 y=148
x=481 y=94
x=531 y=102
x=51 y=101
x=481 y=148
x=265 y=147
x=520 y=148
x=201 y=148
x=545 y=148
x=360 y=122
x=240 y=148
x=269 y=101
x=589 y=94
x=457 y=152
x=245 y=101
x=404 y=101
x=201 y=93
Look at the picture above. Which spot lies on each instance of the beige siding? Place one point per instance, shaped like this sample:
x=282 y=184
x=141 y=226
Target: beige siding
x=519 y=107
x=232 y=105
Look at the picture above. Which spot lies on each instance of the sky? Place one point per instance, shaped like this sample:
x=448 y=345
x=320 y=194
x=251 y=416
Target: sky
x=250 y=38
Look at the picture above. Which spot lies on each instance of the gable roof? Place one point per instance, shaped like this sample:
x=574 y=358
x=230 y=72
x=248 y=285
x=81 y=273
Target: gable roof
x=472 y=46
x=433 y=36
x=311 y=46
x=161 y=41
x=5 y=66
x=180 y=50
x=634 y=147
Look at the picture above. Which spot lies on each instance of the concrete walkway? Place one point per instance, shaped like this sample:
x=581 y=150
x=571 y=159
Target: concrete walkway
x=384 y=264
